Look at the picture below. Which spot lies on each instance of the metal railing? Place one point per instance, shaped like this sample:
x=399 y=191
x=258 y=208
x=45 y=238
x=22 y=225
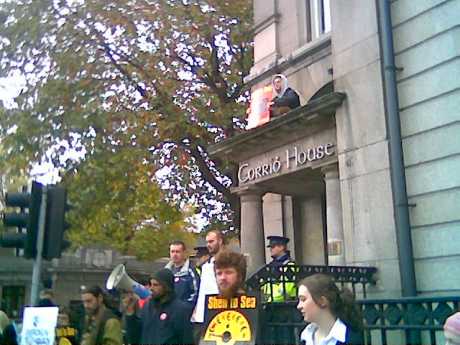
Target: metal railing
x=416 y=320
x=281 y=322
x=356 y=278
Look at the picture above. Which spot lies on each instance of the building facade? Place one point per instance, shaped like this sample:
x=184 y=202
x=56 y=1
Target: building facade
x=326 y=174
x=66 y=276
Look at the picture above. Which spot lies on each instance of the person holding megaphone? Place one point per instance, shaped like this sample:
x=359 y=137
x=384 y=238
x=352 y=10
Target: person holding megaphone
x=164 y=319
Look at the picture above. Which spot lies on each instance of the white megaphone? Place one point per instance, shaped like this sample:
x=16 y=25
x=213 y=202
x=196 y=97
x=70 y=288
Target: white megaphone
x=119 y=279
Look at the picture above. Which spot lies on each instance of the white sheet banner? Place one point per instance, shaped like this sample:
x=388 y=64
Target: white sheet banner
x=38 y=325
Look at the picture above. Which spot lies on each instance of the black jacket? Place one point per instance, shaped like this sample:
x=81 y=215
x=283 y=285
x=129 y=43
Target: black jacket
x=289 y=99
x=166 y=323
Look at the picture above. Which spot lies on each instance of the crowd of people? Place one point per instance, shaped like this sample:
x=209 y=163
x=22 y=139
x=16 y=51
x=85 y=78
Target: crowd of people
x=174 y=312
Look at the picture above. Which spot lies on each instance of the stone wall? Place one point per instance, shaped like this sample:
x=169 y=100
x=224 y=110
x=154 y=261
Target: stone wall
x=427 y=47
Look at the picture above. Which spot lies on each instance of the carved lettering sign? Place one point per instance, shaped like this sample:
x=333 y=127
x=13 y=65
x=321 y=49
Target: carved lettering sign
x=294 y=158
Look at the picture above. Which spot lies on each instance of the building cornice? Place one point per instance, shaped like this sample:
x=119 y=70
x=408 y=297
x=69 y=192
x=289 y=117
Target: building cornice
x=265 y=23
x=284 y=126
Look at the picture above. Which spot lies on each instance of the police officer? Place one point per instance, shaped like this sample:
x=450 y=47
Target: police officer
x=282 y=286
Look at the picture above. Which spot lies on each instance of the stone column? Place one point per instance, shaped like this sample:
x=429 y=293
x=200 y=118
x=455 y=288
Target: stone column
x=252 y=229
x=273 y=218
x=334 y=216
x=312 y=229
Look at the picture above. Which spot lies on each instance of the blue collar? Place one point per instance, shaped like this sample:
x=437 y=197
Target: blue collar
x=282 y=258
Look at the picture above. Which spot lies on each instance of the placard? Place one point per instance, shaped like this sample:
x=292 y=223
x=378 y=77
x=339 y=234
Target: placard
x=38 y=325
x=259 y=112
x=230 y=321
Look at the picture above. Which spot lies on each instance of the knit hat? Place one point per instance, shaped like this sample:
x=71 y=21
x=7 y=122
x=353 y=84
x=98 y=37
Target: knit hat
x=165 y=278
x=452 y=327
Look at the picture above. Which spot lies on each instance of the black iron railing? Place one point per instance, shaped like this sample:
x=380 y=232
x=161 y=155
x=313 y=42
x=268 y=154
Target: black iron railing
x=416 y=320
x=282 y=323
x=356 y=278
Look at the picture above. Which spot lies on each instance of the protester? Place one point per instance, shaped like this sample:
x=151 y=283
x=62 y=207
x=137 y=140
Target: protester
x=186 y=280
x=46 y=298
x=201 y=254
x=8 y=334
x=164 y=319
x=230 y=270
x=452 y=329
x=129 y=298
x=208 y=284
x=4 y=321
x=285 y=98
x=101 y=325
x=47 y=294
x=66 y=334
x=333 y=315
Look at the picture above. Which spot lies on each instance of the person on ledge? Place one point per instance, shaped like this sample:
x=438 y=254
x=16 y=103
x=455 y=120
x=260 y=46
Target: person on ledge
x=285 y=98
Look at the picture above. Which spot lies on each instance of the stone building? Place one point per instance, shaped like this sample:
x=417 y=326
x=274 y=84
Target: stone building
x=365 y=172
x=66 y=276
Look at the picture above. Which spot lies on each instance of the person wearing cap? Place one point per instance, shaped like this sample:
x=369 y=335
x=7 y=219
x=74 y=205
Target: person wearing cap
x=186 y=279
x=452 y=329
x=285 y=98
x=201 y=254
x=280 y=288
x=164 y=320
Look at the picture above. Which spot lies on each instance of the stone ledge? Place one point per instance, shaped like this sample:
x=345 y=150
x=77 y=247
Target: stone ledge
x=281 y=129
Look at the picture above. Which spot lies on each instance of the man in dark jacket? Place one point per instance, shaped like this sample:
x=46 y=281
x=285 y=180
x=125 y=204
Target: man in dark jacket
x=186 y=279
x=280 y=288
x=285 y=98
x=164 y=319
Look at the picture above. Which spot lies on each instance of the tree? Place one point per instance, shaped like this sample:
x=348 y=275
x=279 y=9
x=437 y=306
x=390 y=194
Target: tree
x=122 y=207
x=154 y=82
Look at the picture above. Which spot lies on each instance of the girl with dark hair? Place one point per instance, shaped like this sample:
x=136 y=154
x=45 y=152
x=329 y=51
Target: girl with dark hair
x=333 y=316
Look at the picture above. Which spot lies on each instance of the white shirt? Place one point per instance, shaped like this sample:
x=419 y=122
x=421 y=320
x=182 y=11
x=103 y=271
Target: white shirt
x=208 y=286
x=337 y=333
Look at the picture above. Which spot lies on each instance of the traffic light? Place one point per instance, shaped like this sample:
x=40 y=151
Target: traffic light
x=54 y=242
x=23 y=220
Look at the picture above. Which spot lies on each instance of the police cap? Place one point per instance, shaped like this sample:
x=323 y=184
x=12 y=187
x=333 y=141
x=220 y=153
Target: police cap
x=277 y=240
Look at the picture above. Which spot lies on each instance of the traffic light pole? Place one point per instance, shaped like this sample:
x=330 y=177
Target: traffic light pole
x=37 y=270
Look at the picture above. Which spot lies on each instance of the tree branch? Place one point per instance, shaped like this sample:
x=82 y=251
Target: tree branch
x=203 y=166
x=139 y=88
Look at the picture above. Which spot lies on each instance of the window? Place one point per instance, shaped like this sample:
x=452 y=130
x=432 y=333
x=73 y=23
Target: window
x=319 y=13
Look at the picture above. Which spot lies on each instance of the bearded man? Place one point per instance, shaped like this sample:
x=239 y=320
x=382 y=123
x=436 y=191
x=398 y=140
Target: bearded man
x=164 y=319
x=230 y=270
x=102 y=326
